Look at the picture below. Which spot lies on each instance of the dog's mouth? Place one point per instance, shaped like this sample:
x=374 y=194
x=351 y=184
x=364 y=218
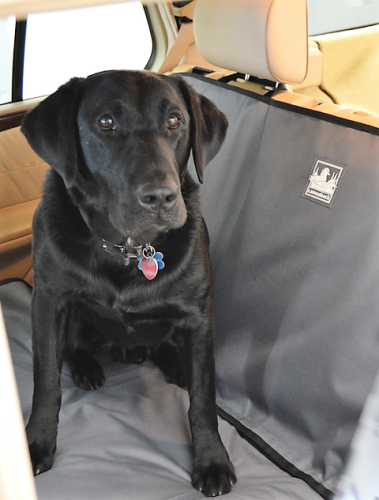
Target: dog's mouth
x=144 y=230
x=123 y=227
x=143 y=227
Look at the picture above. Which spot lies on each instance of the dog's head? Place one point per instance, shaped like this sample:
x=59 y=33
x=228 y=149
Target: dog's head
x=121 y=141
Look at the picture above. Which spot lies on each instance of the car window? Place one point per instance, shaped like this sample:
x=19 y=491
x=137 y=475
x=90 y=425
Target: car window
x=60 y=45
x=7 y=31
x=327 y=16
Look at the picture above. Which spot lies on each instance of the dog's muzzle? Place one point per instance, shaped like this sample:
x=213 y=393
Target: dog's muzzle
x=158 y=199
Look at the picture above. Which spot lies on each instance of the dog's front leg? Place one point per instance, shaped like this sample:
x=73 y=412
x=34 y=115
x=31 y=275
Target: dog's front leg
x=213 y=473
x=48 y=330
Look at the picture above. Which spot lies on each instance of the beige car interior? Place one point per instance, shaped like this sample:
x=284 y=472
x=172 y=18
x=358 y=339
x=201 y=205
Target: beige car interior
x=263 y=43
x=260 y=39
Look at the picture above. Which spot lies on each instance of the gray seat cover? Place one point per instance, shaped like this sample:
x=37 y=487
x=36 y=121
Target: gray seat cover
x=296 y=281
x=296 y=292
x=130 y=439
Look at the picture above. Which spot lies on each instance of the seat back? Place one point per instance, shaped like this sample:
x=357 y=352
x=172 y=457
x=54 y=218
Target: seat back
x=21 y=178
x=291 y=205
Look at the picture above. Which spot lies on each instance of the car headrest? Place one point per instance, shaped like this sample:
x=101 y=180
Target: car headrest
x=263 y=38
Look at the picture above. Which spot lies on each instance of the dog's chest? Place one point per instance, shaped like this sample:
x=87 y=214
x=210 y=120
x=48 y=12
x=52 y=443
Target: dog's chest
x=131 y=316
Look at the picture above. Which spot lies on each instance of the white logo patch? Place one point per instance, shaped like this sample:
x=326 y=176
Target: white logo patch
x=323 y=182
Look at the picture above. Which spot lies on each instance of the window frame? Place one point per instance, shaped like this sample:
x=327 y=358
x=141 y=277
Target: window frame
x=19 y=55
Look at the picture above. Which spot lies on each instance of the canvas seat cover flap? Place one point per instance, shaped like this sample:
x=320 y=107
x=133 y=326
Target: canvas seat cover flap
x=292 y=207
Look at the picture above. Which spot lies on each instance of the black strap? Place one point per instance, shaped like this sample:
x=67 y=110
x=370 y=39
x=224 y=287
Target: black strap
x=234 y=76
x=267 y=451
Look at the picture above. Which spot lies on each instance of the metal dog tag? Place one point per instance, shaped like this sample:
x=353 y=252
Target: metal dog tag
x=150 y=262
x=149 y=267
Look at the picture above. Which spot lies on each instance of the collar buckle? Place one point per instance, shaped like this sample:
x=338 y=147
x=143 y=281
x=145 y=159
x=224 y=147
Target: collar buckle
x=123 y=250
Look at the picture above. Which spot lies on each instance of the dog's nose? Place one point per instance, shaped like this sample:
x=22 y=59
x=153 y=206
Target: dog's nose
x=154 y=198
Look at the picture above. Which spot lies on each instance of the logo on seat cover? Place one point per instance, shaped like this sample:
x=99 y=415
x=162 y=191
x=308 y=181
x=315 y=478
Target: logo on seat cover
x=323 y=182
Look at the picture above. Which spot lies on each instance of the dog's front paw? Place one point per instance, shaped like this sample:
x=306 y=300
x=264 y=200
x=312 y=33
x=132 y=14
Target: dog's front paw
x=41 y=456
x=214 y=479
x=135 y=355
x=88 y=375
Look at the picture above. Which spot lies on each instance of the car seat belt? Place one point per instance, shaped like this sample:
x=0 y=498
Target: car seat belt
x=184 y=39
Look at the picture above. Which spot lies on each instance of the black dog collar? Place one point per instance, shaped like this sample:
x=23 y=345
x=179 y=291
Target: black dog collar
x=123 y=250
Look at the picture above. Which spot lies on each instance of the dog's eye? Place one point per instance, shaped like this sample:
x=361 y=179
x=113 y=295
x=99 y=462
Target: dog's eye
x=107 y=123
x=173 y=121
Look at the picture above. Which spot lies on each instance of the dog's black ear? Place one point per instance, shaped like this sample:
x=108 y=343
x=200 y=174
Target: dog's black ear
x=51 y=130
x=208 y=127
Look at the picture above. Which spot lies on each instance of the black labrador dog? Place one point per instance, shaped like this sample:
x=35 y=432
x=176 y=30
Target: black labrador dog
x=120 y=248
